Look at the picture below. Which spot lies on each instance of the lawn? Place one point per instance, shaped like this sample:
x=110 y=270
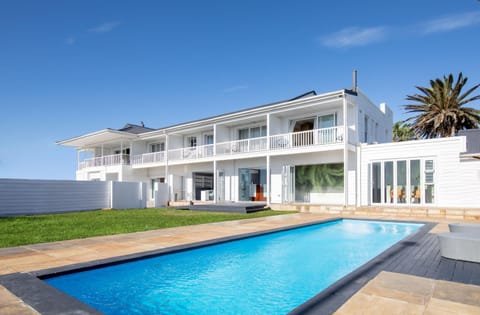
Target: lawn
x=23 y=230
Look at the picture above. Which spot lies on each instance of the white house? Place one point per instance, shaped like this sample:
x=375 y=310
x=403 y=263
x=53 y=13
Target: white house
x=327 y=149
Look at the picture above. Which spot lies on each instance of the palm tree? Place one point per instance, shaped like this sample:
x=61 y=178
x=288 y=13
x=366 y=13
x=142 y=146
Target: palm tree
x=440 y=111
x=402 y=132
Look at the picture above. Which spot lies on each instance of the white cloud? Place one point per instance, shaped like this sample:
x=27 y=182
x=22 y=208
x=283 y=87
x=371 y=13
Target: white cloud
x=235 y=88
x=451 y=22
x=105 y=27
x=70 y=40
x=355 y=36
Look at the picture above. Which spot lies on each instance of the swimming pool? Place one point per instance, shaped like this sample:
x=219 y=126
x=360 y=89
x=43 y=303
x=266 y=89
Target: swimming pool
x=267 y=274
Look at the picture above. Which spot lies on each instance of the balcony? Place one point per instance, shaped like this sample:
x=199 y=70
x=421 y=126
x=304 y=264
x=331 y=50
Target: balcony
x=276 y=143
x=107 y=160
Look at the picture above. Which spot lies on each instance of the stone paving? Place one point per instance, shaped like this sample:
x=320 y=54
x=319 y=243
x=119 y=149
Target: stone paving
x=48 y=255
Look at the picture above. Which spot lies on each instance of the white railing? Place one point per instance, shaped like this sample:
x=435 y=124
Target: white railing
x=242 y=146
x=107 y=160
x=284 y=141
x=202 y=151
x=146 y=158
x=306 y=138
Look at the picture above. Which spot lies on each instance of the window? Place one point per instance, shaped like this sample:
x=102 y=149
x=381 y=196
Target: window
x=388 y=173
x=401 y=181
x=208 y=139
x=192 y=142
x=365 y=129
x=376 y=182
x=327 y=121
x=157 y=147
x=429 y=183
x=252 y=132
x=415 y=181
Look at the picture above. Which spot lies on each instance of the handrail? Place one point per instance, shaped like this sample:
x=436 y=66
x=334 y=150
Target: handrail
x=314 y=137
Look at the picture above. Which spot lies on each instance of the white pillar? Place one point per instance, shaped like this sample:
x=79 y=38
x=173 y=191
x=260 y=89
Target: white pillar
x=268 y=180
x=167 y=180
x=345 y=150
x=215 y=181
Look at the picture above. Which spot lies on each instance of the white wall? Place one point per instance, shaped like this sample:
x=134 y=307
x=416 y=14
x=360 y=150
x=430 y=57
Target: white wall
x=380 y=119
x=125 y=195
x=23 y=196
x=457 y=182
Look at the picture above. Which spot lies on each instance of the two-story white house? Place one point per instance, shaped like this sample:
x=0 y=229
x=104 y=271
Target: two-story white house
x=302 y=150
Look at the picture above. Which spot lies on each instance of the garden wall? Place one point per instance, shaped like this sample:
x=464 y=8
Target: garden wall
x=24 y=196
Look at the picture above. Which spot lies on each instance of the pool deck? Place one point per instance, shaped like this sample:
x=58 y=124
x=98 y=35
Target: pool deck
x=389 y=287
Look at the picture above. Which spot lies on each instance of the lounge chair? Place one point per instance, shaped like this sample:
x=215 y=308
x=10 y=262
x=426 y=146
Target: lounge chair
x=460 y=246
x=468 y=228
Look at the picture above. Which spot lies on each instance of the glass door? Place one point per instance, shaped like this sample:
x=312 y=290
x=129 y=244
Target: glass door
x=288 y=184
x=244 y=184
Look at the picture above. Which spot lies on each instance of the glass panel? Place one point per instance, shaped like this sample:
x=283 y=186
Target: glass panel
x=376 y=182
x=388 y=174
x=252 y=184
x=401 y=181
x=208 y=139
x=255 y=132
x=317 y=179
x=429 y=194
x=415 y=181
x=326 y=121
x=429 y=169
x=243 y=134
x=264 y=131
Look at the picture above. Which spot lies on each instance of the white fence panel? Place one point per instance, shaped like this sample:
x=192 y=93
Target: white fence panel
x=25 y=196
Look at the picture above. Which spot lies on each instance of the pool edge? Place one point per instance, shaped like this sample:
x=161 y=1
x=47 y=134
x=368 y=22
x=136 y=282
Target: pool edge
x=344 y=288
x=38 y=294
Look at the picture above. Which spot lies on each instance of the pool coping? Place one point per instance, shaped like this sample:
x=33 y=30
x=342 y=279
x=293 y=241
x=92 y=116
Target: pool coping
x=31 y=288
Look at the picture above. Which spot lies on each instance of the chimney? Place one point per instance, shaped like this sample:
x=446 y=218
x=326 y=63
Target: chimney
x=355 y=86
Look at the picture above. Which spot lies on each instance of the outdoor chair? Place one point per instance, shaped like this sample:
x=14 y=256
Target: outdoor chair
x=462 y=243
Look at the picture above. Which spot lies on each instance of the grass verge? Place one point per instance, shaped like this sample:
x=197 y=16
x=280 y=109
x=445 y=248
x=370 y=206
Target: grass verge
x=23 y=230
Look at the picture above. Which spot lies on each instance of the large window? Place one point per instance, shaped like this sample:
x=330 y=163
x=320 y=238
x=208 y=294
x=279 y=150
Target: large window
x=253 y=132
x=416 y=195
x=429 y=183
x=403 y=182
x=327 y=121
x=157 y=147
x=376 y=182
x=388 y=174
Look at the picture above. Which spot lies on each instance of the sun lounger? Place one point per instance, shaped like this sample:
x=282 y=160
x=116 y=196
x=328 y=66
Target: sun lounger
x=468 y=228
x=460 y=246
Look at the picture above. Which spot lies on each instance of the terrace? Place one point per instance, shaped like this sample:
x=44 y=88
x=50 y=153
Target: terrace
x=412 y=279
x=309 y=140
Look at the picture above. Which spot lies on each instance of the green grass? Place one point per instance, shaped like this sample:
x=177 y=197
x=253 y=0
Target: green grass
x=23 y=230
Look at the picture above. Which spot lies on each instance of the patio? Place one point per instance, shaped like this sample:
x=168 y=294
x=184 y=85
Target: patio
x=419 y=262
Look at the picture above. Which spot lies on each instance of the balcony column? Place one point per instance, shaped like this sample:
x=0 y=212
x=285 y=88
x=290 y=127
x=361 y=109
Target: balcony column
x=215 y=175
x=268 y=180
x=345 y=150
x=215 y=181
x=170 y=189
x=268 y=161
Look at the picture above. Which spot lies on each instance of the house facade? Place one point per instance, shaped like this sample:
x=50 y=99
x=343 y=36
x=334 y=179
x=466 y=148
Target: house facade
x=327 y=149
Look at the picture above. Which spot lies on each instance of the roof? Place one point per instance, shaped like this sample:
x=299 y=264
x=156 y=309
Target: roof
x=131 y=131
x=135 y=129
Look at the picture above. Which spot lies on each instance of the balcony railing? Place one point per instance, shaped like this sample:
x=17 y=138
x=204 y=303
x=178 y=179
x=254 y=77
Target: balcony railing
x=146 y=158
x=307 y=138
x=202 y=151
x=242 y=146
x=292 y=140
x=107 y=160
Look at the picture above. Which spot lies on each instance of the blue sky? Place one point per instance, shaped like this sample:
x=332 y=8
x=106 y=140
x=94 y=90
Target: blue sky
x=72 y=67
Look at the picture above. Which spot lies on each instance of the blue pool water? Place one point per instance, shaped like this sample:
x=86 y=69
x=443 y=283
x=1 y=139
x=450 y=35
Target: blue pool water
x=268 y=274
